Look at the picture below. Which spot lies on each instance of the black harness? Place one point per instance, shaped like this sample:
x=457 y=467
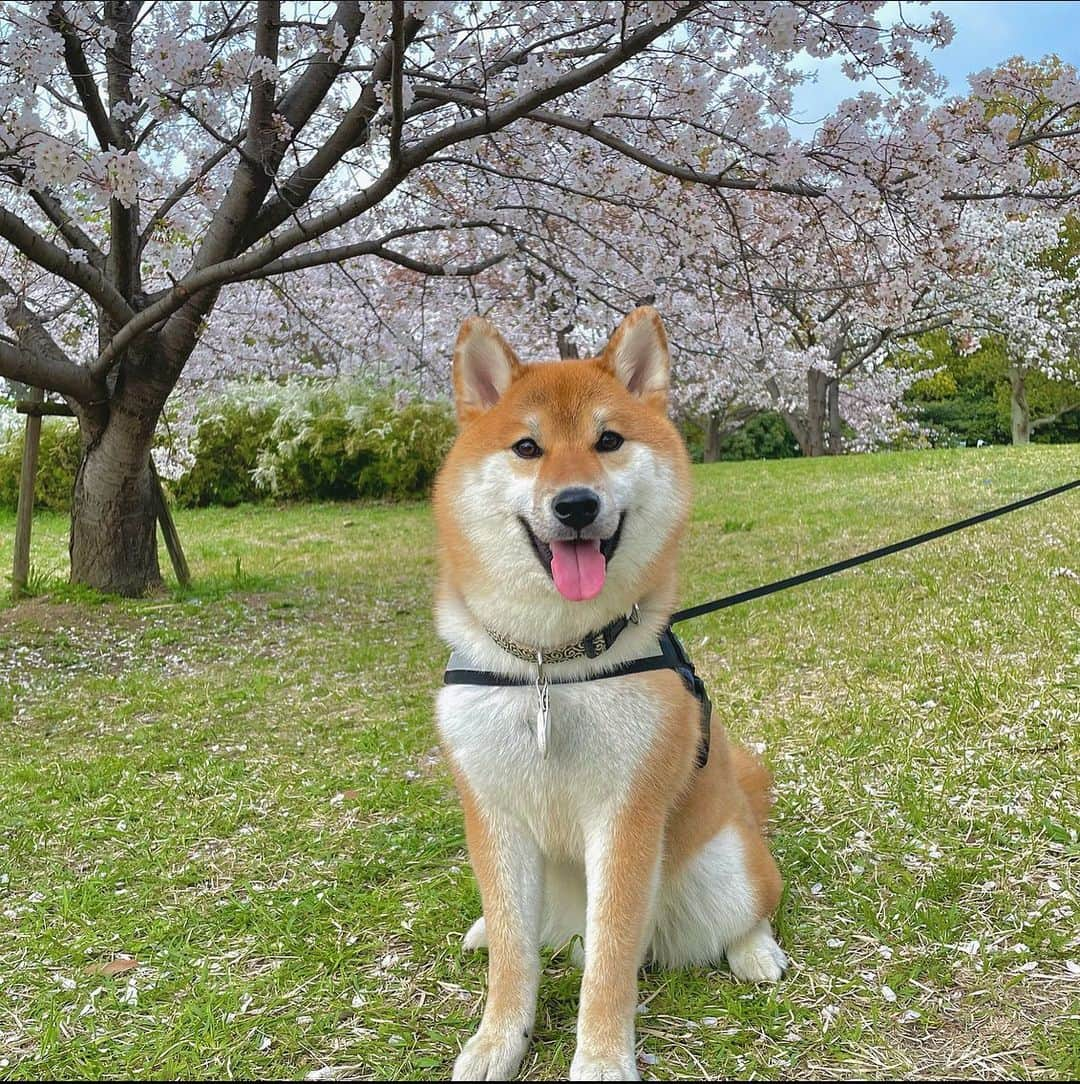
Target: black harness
x=672 y=657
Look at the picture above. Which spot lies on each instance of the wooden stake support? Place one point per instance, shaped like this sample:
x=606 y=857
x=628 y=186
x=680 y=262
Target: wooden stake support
x=169 y=532
x=35 y=408
x=25 y=510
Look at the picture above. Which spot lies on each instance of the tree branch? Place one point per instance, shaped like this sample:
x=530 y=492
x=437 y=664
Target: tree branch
x=1011 y=193
x=1039 y=423
x=183 y=326
x=378 y=247
x=35 y=358
x=54 y=211
x=398 y=46
x=261 y=137
x=306 y=95
x=122 y=264
x=54 y=259
x=185 y=187
x=350 y=133
x=251 y=183
x=425 y=267
x=1044 y=134
x=592 y=130
x=69 y=229
x=83 y=78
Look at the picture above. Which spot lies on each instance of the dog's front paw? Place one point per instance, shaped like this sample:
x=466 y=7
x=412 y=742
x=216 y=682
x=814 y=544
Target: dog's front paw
x=590 y=1067
x=491 y=1056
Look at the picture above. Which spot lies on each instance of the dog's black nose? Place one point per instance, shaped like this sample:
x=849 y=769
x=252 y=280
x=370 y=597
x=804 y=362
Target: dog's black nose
x=577 y=507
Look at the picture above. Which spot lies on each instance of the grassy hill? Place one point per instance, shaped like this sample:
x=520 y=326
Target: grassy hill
x=238 y=787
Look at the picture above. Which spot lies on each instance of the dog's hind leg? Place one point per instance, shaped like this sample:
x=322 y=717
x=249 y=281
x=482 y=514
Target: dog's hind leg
x=564 y=909
x=756 y=957
x=563 y=913
x=475 y=936
x=718 y=904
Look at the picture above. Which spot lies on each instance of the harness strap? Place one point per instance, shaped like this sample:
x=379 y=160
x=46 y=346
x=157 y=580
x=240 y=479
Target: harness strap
x=490 y=677
x=673 y=657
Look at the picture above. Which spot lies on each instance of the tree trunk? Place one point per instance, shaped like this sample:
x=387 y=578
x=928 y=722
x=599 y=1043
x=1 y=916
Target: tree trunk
x=113 y=516
x=113 y=510
x=813 y=438
x=797 y=427
x=711 y=452
x=567 y=346
x=1021 y=415
x=835 y=436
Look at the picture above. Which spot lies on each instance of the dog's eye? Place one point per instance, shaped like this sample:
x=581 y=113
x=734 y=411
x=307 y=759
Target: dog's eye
x=526 y=449
x=609 y=441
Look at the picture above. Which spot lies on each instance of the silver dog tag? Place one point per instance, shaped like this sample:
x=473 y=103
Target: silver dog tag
x=543 y=714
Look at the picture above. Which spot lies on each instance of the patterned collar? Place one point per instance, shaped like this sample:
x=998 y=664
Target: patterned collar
x=588 y=647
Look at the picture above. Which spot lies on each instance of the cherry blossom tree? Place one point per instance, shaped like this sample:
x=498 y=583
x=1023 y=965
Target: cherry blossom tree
x=828 y=317
x=1025 y=299
x=159 y=159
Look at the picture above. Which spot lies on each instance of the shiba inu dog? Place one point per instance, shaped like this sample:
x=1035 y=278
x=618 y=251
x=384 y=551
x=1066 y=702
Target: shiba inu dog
x=574 y=734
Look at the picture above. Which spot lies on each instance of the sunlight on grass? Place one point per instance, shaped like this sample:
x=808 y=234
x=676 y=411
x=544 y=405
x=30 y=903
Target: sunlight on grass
x=237 y=787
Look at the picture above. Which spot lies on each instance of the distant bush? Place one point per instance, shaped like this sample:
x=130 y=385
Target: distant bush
x=330 y=441
x=349 y=440
x=58 y=460
x=962 y=419
x=225 y=453
x=763 y=436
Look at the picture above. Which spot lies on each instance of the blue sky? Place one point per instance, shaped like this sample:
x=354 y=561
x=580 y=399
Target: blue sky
x=986 y=33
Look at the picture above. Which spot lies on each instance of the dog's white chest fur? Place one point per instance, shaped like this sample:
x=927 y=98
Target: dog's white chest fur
x=600 y=732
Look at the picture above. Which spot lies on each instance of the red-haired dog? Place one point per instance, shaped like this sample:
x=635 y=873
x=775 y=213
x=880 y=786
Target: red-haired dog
x=596 y=803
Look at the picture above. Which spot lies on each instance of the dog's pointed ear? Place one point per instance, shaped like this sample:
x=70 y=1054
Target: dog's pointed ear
x=484 y=367
x=638 y=356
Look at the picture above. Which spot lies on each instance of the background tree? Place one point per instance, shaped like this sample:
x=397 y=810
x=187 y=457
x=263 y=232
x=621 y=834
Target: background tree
x=1025 y=300
x=963 y=395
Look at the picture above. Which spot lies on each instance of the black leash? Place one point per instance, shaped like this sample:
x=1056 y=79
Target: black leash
x=873 y=555
x=673 y=655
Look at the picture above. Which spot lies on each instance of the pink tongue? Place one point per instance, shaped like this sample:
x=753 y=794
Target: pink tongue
x=578 y=569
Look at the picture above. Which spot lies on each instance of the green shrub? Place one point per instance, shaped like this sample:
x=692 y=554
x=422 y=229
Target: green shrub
x=304 y=442
x=407 y=447
x=962 y=419
x=58 y=460
x=226 y=452
x=349 y=440
x=763 y=436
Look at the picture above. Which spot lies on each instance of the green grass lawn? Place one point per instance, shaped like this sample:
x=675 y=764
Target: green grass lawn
x=238 y=787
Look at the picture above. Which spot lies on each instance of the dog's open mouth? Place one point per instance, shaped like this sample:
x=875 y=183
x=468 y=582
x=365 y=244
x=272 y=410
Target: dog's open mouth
x=578 y=566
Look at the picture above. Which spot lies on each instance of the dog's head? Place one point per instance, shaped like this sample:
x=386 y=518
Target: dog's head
x=567 y=489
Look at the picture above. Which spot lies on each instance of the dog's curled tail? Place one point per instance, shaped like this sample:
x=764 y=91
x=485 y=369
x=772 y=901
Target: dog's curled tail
x=756 y=783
